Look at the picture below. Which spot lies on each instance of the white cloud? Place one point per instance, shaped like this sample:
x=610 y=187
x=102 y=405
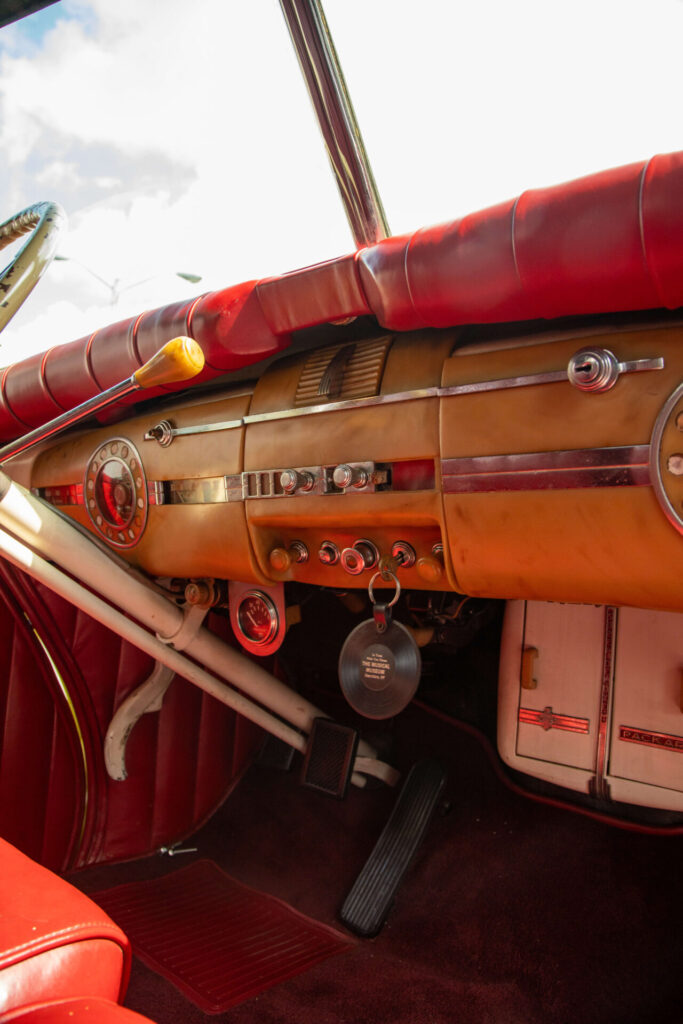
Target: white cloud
x=180 y=137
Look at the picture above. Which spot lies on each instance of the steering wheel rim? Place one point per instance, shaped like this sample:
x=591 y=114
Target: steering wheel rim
x=45 y=221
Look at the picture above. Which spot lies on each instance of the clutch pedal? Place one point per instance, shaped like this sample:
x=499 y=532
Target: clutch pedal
x=368 y=903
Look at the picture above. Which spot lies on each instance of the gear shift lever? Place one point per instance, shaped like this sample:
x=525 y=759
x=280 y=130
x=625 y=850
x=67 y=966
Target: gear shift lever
x=178 y=360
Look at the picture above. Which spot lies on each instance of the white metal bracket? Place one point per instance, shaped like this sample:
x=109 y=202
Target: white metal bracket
x=188 y=628
x=147 y=697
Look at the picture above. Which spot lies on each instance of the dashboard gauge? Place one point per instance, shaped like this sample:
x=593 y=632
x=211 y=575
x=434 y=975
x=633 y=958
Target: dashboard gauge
x=257 y=617
x=116 y=493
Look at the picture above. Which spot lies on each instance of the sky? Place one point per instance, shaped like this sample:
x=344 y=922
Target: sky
x=179 y=136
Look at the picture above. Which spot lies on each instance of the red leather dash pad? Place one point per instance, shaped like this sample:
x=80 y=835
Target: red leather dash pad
x=215 y=939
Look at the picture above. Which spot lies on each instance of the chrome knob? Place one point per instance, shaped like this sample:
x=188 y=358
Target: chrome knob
x=349 y=476
x=298 y=551
x=328 y=553
x=363 y=555
x=293 y=480
x=593 y=369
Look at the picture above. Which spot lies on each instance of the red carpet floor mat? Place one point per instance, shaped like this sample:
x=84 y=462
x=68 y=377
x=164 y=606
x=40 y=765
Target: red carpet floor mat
x=217 y=940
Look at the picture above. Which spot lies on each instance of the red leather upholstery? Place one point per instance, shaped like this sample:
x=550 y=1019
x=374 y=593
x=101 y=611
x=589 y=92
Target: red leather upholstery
x=54 y=941
x=315 y=295
x=611 y=241
x=42 y=782
x=608 y=242
x=56 y=802
x=74 y=1011
x=229 y=325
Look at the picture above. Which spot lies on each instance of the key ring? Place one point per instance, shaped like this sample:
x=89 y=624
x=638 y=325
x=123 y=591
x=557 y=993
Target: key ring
x=389 y=573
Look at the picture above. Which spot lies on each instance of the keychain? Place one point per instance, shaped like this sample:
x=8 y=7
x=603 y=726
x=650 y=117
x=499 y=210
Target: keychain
x=379 y=664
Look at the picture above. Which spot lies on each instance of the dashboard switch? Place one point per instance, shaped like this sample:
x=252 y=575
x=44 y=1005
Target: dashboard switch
x=281 y=559
x=363 y=555
x=350 y=476
x=429 y=569
x=293 y=480
x=328 y=553
x=403 y=553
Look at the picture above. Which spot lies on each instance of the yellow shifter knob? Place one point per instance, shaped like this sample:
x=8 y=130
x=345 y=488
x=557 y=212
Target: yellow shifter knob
x=179 y=359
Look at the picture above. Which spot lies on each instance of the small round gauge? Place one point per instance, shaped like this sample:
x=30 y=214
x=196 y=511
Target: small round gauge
x=257 y=617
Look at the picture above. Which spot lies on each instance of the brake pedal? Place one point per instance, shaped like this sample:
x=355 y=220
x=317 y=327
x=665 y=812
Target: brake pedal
x=329 y=757
x=368 y=903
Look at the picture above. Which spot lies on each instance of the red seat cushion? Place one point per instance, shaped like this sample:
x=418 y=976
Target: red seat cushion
x=74 y=1011
x=54 y=941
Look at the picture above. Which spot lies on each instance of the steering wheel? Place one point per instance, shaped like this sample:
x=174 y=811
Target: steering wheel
x=45 y=221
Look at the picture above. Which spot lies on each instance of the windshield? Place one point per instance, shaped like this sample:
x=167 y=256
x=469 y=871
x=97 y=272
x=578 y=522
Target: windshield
x=182 y=144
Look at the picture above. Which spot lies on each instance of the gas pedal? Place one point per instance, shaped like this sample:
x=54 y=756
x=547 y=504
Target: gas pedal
x=368 y=903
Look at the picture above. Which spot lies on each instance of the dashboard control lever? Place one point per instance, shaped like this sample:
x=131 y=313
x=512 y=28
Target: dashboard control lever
x=179 y=359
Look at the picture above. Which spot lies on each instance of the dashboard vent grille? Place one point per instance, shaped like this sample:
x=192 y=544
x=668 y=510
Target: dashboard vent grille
x=340 y=372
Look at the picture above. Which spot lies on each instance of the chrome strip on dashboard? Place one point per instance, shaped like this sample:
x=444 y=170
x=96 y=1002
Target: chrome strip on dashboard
x=204 y=491
x=348 y=403
x=533 y=471
x=165 y=432
x=528 y=471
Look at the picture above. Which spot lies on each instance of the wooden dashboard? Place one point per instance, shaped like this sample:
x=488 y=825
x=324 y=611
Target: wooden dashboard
x=544 y=467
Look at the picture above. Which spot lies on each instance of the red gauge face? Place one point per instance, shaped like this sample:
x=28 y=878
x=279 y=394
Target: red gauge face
x=257 y=617
x=116 y=493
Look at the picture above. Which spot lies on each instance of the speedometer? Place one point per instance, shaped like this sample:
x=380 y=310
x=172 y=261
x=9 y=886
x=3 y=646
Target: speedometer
x=116 y=492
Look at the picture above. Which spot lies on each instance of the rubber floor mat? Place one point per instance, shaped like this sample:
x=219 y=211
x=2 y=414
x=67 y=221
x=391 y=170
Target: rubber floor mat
x=217 y=940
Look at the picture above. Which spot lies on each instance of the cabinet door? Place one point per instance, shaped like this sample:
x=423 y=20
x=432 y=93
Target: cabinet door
x=557 y=719
x=549 y=690
x=647 y=718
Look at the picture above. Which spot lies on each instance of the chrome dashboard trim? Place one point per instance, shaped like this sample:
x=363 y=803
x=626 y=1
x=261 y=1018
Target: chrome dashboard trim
x=164 y=432
x=167 y=432
x=625 y=466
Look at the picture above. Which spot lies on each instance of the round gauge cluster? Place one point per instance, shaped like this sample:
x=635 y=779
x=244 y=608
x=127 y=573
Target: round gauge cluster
x=666 y=458
x=116 y=493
